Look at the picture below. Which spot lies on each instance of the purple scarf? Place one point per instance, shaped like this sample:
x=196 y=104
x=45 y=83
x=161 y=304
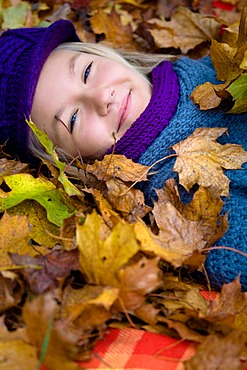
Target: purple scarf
x=156 y=116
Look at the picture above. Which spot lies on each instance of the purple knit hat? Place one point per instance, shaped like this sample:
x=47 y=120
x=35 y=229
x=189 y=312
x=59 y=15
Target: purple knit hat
x=23 y=53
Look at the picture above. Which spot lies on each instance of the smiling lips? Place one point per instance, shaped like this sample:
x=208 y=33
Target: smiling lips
x=124 y=110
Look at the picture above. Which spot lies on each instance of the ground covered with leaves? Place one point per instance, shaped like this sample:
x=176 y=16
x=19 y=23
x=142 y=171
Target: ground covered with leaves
x=79 y=255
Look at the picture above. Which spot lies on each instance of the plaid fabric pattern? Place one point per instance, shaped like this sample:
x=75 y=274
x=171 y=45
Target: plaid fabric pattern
x=132 y=349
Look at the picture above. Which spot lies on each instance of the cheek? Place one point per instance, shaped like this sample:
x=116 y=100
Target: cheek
x=95 y=141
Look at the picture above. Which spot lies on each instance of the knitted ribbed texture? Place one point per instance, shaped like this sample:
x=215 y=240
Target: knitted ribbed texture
x=222 y=266
x=148 y=126
x=23 y=53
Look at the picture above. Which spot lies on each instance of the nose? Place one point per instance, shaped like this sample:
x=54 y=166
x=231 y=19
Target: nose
x=100 y=98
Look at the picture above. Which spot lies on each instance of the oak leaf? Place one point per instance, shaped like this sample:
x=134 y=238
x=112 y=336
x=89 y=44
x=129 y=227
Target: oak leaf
x=201 y=160
x=24 y=186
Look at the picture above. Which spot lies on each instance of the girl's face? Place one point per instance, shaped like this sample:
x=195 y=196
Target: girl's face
x=96 y=98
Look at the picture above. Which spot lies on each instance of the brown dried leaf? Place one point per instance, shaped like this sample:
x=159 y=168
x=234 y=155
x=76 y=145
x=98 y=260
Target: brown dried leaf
x=10 y=167
x=176 y=232
x=130 y=203
x=137 y=280
x=65 y=344
x=201 y=160
x=150 y=244
x=88 y=308
x=230 y=307
x=16 y=353
x=225 y=62
x=51 y=269
x=111 y=26
x=205 y=207
x=118 y=166
x=185 y=30
x=207 y=95
x=11 y=290
x=220 y=352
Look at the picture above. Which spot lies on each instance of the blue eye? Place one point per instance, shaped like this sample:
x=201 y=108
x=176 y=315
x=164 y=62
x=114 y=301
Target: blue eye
x=72 y=121
x=87 y=72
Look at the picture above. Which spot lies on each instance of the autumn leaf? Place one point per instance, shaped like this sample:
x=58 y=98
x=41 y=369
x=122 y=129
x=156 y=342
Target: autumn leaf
x=201 y=160
x=10 y=167
x=42 y=231
x=230 y=307
x=220 y=352
x=205 y=208
x=89 y=307
x=209 y=96
x=62 y=344
x=24 y=186
x=184 y=31
x=47 y=143
x=14 y=237
x=102 y=259
x=15 y=350
x=117 y=166
x=51 y=268
x=109 y=24
x=11 y=290
x=137 y=280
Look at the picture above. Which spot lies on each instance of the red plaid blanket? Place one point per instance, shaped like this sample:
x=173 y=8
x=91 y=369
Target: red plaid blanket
x=131 y=349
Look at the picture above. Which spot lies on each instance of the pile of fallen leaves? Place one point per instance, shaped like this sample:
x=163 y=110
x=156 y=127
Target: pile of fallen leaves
x=77 y=258
x=79 y=255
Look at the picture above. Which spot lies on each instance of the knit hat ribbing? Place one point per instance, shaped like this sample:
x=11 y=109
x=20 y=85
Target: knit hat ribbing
x=23 y=53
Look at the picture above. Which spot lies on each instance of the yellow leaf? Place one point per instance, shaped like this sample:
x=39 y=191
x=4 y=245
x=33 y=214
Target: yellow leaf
x=201 y=160
x=41 y=229
x=14 y=238
x=102 y=259
x=224 y=60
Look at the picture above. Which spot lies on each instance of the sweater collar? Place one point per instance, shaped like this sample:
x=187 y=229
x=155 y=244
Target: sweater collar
x=156 y=116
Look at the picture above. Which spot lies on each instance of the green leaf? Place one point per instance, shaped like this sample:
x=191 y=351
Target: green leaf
x=238 y=90
x=24 y=186
x=15 y=16
x=48 y=145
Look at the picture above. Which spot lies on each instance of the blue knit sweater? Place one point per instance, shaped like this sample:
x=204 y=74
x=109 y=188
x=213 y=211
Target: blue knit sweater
x=222 y=265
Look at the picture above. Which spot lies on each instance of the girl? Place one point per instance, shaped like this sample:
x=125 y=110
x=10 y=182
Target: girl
x=86 y=97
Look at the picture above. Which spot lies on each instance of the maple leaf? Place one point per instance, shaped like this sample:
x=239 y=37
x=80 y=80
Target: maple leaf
x=185 y=30
x=201 y=160
x=102 y=259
